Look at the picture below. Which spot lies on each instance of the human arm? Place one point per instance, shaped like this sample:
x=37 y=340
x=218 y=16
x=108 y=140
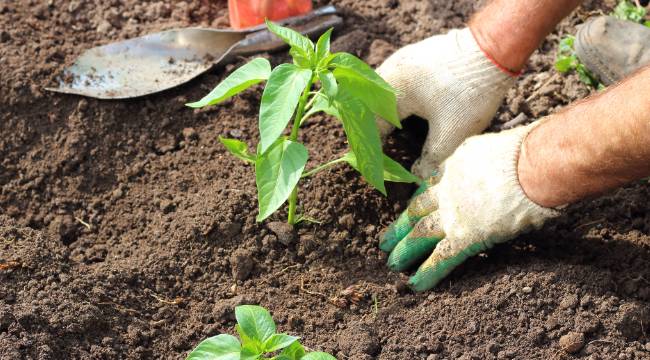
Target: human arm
x=593 y=146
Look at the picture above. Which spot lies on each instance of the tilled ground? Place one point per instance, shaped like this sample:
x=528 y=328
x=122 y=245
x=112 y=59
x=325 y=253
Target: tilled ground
x=128 y=232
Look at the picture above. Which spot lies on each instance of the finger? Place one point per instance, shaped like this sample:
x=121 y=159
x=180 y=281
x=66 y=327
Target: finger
x=435 y=150
x=445 y=258
x=432 y=179
x=421 y=205
x=397 y=231
x=418 y=244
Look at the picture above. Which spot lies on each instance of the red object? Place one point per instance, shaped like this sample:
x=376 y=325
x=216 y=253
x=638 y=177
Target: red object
x=247 y=13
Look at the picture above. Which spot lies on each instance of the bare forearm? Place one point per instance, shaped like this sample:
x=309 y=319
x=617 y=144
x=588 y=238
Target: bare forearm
x=510 y=30
x=593 y=146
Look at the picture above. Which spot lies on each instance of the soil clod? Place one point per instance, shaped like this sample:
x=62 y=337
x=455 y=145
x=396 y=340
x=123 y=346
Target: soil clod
x=283 y=231
x=633 y=320
x=190 y=134
x=242 y=264
x=572 y=342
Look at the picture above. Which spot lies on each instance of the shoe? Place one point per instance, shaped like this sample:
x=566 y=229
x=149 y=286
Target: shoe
x=612 y=48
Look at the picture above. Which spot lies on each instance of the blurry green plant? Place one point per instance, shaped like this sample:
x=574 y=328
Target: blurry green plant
x=567 y=60
x=259 y=340
x=626 y=10
x=350 y=90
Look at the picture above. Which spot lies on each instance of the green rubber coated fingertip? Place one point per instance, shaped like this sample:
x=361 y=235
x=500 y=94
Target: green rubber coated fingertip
x=434 y=270
x=428 y=277
x=396 y=232
x=410 y=251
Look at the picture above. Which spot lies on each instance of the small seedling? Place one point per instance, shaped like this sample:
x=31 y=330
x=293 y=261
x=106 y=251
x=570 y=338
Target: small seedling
x=349 y=90
x=625 y=10
x=259 y=340
x=566 y=59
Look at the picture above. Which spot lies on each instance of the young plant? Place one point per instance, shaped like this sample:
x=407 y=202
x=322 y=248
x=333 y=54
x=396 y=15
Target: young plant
x=259 y=340
x=566 y=59
x=337 y=84
x=625 y=10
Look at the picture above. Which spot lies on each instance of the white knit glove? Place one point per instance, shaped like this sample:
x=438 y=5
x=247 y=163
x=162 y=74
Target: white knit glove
x=448 y=81
x=473 y=203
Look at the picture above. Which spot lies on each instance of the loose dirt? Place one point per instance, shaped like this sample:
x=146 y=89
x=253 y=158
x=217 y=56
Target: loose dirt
x=127 y=232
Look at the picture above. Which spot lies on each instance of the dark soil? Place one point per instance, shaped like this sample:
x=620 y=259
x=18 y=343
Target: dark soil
x=127 y=232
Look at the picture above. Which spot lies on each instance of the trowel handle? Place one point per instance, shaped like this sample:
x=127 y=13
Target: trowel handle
x=322 y=11
x=263 y=41
x=300 y=19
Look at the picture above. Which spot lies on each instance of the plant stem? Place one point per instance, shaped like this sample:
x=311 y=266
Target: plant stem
x=293 y=198
x=323 y=167
x=310 y=103
x=300 y=111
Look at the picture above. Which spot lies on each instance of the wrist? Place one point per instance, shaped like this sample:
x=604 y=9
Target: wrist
x=534 y=180
x=509 y=59
x=510 y=31
x=495 y=53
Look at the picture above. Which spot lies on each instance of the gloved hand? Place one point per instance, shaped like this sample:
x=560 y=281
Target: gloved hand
x=472 y=203
x=448 y=81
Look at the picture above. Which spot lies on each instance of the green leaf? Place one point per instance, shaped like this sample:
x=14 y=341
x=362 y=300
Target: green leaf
x=295 y=351
x=247 y=341
x=323 y=45
x=300 y=59
x=241 y=79
x=585 y=75
x=365 y=84
x=238 y=148
x=309 y=219
x=328 y=82
x=322 y=103
x=325 y=62
x=276 y=173
x=647 y=23
x=278 y=341
x=249 y=352
x=566 y=45
x=566 y=59
x=255 y=322
x=393 y=171
x=279 y=101
x=361 y=130
x=363 y=137
x=626 y=10
x=303 y=45
x=564 y=64
x=220 y=347
x=318 y=356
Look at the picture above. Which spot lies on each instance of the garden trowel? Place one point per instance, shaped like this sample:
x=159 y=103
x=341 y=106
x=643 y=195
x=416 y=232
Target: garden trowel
x=160 y=61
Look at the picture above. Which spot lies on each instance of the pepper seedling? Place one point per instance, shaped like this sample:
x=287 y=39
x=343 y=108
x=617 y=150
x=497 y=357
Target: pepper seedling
x=259 y=340
x=349 y=90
